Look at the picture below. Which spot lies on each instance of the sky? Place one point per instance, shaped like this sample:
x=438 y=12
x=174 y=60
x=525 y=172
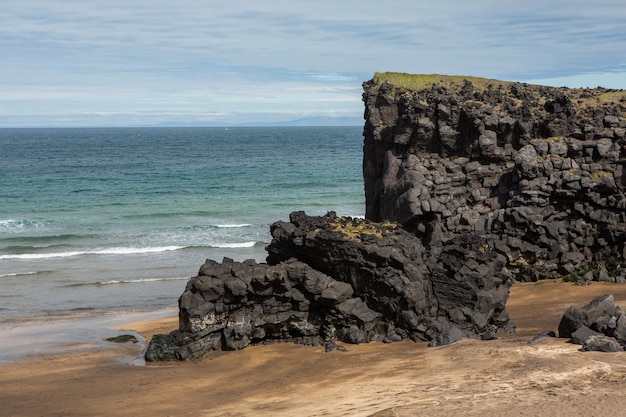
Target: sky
x=193 y=62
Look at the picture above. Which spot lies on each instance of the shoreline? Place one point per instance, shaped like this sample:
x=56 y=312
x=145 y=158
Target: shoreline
x=473 y=378
x=27 y=339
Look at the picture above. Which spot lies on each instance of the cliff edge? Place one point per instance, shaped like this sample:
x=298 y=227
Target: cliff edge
x=537 y=171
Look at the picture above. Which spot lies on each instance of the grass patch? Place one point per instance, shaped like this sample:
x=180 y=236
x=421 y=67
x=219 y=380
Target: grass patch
x=421 y=82
x=357 y=228
x=578 y=277
x=595 y=175
x=612 y=96
x=454 y=83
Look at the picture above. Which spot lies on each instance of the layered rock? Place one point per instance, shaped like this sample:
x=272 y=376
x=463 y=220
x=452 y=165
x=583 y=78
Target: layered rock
x=331 y=278
x=537 y=171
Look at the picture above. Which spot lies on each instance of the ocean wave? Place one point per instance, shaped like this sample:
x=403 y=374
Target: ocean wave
x=140 y=280
x=126 y=281
x=17 y=249
x=107 y=251
x=19 y=274
x=137 y=250
x=249 y=244
x=48 y=238
x=167 y=215
x=12 y=224
x=232 y=226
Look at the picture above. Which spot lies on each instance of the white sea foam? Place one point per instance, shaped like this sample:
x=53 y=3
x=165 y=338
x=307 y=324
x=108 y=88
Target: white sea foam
x=107 y=251
x=136 y=250
x=17 y=274
x=42 y=255
x=234 y=245
x=15 y=224
x=141 y=280
x=232 y=226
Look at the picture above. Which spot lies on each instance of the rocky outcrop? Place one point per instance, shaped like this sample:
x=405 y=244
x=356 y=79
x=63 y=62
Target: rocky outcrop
x=537 y=171
x=340 y=279
x=599 y=325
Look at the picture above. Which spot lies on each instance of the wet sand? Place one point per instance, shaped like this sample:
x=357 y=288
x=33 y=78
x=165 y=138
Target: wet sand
x=504 y=377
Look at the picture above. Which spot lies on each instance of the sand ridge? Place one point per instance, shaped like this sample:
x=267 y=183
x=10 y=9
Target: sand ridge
x=507 y=376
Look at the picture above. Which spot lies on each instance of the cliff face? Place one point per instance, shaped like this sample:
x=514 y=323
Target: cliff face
x=537 y=171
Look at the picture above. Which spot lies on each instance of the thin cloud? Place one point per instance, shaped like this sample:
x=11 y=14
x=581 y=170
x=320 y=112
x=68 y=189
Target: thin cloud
x=110 y=58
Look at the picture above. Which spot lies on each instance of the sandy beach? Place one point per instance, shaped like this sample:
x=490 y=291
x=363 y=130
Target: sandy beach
x=472 y=378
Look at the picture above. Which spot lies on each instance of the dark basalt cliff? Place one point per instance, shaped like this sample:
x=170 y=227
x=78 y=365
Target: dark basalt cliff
x=537 y=171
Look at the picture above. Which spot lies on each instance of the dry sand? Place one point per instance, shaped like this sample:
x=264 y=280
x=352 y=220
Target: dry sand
x=504 y=377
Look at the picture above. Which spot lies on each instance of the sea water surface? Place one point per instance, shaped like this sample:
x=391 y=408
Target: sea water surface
x=110 y=220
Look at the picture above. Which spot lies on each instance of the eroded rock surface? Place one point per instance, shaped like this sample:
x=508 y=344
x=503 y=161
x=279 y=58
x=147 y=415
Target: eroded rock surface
x=333 y=279
x=538 y=171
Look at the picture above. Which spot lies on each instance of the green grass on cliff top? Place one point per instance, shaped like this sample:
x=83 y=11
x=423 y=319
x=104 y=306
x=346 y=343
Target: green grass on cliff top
x=420 y=82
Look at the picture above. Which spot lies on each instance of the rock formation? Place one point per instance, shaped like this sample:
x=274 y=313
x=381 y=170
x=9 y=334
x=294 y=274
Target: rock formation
x=537 y=171
x=599 y=325
x=332 y=278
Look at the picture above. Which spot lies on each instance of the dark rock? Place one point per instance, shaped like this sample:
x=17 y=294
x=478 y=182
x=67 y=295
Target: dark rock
x=330 y=346
x=582 y=334
x=596 y=315
x=542 y=335
x=166 y=347
x=553 y=149
x=447 y=333
x=600 y=325
x=619 y=329
x=334 y=279
x=123 y=338
x=603 y=275
x=601 y=344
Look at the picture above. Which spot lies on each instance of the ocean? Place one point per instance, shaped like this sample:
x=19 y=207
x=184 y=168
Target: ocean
x=99 y=221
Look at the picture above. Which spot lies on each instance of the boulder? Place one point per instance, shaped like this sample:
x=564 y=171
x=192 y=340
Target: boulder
x=599 y=325
x=580 y=336
x=601 y=343
x=599 y=315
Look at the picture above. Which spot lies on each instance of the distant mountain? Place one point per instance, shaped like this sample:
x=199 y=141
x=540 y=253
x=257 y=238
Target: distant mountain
x=312 y=121
x=304 y=121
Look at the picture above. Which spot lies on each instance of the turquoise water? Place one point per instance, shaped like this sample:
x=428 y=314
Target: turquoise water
x=98 y=221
